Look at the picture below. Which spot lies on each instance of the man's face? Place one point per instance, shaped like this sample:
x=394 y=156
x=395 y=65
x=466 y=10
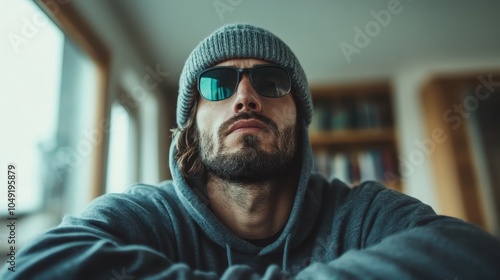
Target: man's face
x=247 y=137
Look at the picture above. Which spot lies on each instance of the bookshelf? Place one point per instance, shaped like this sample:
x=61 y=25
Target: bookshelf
x=352 y=134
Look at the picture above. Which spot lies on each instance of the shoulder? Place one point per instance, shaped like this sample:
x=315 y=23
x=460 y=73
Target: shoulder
x=381 y=212
x=126 y=215
x=376 y=201
x=368 y=199
x=139 y=196
x=337 y=191
x=381 y=199
x=369 y=192
x=140 y=203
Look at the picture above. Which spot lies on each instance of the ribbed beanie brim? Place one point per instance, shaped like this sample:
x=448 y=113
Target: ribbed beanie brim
x=241 y=41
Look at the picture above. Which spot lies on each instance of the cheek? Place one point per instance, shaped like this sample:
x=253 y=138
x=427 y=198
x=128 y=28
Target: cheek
x=290 y=116
x=286 y=114
x=208 y=121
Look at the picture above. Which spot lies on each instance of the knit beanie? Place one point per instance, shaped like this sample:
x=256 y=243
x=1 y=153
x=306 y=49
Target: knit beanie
x=241 y=41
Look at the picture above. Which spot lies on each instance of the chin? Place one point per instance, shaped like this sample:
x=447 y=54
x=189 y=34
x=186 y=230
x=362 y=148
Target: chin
x=243 y=140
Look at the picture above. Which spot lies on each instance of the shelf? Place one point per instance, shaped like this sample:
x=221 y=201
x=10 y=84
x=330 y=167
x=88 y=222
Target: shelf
x=347 y=137
x=353 y=133
x=351 y=90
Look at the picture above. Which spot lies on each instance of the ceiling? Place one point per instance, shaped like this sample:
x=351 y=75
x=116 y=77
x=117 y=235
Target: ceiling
x=166 y=31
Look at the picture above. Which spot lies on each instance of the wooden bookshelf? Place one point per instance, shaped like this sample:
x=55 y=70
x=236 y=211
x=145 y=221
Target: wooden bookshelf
x=351 y=137
x=352 y=133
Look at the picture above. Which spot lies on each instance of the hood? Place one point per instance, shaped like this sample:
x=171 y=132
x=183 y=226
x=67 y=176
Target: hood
x=301 y=217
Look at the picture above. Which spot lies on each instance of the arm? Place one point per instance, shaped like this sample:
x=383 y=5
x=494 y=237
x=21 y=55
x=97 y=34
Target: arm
x=402 y=238
x=120 y=237
x=111 y=240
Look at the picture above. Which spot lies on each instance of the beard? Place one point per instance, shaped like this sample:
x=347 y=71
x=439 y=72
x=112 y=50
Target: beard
x=251 y=163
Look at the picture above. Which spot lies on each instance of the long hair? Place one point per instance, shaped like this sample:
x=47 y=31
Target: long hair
x=187 y=157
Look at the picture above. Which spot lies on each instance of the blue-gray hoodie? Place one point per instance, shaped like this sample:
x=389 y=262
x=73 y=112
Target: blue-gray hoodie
x=333 y=232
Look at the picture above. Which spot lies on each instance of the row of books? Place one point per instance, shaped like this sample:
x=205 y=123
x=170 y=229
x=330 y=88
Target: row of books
x=357 y=166
x=351 y=114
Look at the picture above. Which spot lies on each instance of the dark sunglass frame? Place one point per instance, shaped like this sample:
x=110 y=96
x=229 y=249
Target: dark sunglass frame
x=239 y=76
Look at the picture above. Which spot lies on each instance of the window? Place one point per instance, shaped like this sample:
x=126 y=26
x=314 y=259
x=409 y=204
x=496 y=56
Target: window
x=80 y=131
x=53 y=81
x=31 y=61
x=121 y=167
x=51 y=112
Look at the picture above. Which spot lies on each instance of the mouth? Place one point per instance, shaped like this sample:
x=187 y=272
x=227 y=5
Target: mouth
x=247 y=126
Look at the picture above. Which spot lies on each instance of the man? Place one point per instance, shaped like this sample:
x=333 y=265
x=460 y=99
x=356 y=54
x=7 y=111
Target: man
x=243 y=202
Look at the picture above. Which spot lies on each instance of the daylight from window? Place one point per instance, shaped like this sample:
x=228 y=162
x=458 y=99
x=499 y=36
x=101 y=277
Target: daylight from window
x=119 y=148
x=31 y=53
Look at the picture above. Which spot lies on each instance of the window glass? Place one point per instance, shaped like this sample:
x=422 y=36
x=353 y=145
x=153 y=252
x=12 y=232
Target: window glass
x=120 y=157
x=31 y=53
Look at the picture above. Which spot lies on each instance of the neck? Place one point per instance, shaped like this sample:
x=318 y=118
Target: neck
x=253 y=210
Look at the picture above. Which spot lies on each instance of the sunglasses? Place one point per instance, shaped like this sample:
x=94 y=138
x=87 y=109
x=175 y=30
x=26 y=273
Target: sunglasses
x=219 y=83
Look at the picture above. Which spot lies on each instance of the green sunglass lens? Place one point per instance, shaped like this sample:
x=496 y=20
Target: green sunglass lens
x=218 y=84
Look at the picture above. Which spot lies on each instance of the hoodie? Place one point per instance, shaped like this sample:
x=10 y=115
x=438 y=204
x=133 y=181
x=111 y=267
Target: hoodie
x=333 y=232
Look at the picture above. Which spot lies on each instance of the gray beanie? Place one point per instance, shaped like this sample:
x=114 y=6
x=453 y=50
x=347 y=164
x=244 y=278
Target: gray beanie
x=240 y=41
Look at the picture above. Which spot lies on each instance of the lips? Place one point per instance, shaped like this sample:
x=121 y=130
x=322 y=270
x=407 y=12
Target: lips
x=248 y=123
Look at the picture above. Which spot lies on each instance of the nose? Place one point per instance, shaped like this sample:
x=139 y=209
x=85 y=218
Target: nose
x=247 y=99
